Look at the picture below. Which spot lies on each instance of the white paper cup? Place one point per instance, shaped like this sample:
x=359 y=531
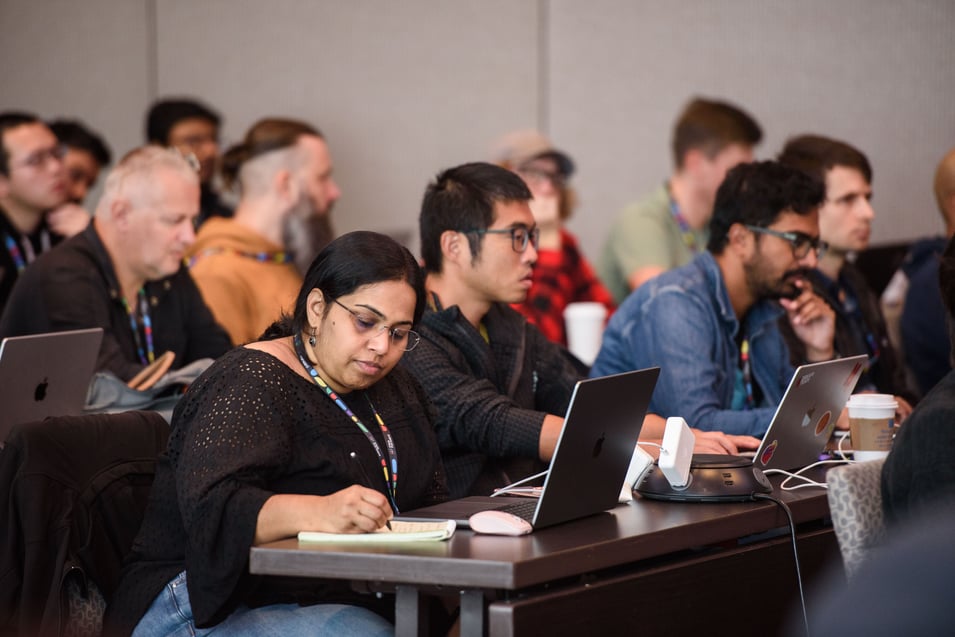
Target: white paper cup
x=585 y=328
x=871 y=425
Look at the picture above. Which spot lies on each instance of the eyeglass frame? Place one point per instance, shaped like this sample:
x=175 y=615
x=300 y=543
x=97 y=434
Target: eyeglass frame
x=794 y=239
x=519 y=246
x=188 y=156
x=38 y=159
x=413 y=337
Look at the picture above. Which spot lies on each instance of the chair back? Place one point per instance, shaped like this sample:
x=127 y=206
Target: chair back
x=855 y=504
x=75 y=490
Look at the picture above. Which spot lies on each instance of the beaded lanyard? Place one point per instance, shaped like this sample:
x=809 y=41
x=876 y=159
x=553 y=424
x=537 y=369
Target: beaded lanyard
x=391 y=477
x=150 y=354
x=262 y=257
x=685 y=231
x=747 y=374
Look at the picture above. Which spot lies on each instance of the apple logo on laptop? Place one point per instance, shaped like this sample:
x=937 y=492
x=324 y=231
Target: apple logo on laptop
x=807 y=418
x=40 y=392
x=599 y=445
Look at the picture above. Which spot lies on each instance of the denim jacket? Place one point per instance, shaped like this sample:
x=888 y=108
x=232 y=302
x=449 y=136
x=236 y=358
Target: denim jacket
x=683 y=322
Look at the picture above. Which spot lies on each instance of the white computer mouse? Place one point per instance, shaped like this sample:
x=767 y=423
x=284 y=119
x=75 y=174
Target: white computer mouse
x=499 y=523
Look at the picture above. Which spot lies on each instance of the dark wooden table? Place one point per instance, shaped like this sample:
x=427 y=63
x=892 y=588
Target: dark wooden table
x=666 y=568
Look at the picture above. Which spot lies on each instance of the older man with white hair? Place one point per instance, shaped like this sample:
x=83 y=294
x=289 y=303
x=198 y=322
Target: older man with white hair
x=125 y=272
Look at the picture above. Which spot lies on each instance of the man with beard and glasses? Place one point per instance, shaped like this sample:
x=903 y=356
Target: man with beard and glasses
x=242 y=265
x=711 y=325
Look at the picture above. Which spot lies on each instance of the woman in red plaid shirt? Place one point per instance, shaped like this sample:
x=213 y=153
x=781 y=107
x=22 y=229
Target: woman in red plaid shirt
x=562 y=275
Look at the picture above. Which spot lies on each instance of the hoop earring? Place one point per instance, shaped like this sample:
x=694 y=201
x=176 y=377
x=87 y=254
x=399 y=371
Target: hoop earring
x=311 y=338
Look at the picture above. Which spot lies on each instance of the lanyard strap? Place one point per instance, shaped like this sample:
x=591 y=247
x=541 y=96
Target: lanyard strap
x=685 y=231
x=391 y=477
x=150 y=354
x=15 y=253
x=747 y=374
x=280 y=257
x=26 y=256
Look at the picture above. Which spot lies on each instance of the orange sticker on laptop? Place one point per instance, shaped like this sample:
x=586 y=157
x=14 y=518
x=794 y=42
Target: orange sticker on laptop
x=822 y=425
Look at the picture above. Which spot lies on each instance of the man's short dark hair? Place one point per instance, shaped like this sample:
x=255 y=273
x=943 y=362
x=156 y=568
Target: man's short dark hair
x=165 y=114
x=816 y=155
x=756 y=194
x=8 y=120
x=710 y=126
x=75 y=135
x=463 y=198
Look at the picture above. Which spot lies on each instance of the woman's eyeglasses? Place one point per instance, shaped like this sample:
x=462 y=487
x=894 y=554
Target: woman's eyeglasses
x=371 y=327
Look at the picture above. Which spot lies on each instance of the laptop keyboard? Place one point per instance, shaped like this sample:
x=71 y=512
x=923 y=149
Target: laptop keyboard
x=523 y=510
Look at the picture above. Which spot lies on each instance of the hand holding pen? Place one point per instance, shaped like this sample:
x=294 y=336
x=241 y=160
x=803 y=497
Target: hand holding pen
x=367 y=481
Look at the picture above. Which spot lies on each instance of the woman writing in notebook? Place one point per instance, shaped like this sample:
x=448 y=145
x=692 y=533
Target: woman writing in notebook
x=306 y=429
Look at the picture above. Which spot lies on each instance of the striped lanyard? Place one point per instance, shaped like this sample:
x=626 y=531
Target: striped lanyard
x=391 y=477
x=150 y=354
x=747 y=374
x=685 y=231
x=280 y=257
x=21 y=260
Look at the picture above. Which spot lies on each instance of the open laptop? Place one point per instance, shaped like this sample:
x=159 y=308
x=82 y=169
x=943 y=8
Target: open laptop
x=807 y=414
x=590 y=461
x=45 y=375
x=797 y=436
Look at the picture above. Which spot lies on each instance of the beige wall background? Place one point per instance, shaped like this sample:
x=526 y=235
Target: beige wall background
x=404 y=89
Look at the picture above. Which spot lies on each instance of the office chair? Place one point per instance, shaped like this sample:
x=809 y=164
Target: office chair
x=75 y=491
x=855 y=504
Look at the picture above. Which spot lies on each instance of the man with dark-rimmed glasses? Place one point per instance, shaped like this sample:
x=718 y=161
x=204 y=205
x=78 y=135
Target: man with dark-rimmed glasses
x=711 y=325
x=31 y=183
x=500 y=387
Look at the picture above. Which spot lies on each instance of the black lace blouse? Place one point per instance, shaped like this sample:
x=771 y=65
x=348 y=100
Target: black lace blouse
x=246 y=429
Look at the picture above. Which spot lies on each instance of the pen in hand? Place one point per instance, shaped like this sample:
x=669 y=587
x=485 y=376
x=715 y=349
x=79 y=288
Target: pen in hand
x=367 y=480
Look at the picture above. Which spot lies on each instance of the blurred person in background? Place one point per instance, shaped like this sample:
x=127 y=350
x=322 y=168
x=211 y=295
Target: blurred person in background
x=562 y=275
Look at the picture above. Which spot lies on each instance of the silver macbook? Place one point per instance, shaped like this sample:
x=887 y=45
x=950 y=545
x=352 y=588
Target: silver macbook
x=796 y=437
x=45 y=375
x=808 y=412
x=590 y=461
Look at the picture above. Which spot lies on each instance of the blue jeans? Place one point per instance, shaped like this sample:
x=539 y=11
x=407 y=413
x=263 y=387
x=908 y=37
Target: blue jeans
x=170 y=615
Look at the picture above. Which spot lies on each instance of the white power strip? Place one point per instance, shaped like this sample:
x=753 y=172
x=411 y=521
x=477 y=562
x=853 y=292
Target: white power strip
x=677 y=453
x=640 y=463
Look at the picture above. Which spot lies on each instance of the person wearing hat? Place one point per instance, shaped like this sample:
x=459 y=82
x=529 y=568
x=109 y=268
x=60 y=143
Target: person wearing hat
x=562 y=275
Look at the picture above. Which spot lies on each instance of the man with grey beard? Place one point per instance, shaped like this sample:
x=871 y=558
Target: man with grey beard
x=245 y=266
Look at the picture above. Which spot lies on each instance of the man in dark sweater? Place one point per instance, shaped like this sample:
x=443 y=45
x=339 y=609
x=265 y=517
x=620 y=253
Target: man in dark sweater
x=31 y=183
x=501 y=388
